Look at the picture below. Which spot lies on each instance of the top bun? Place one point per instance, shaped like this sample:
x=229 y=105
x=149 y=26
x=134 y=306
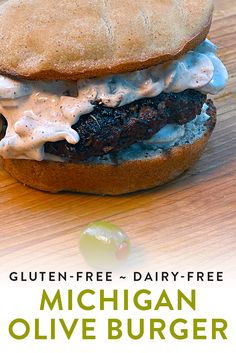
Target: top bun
x=61 y=39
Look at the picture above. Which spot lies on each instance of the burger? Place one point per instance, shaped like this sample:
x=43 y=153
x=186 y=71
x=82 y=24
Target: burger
x=105 y=97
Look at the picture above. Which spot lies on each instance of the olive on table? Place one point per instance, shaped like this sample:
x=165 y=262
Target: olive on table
x=104 y=245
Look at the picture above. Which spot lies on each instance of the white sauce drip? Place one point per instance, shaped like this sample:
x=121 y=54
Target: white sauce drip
x=38 y=112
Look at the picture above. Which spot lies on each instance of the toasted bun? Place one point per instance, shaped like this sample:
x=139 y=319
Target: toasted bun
x=112 y=179
x=61 y=39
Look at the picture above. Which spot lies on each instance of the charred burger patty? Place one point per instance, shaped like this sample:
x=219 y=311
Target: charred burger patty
x=108 y=130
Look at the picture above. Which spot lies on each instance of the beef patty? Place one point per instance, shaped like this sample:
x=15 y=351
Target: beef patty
x=108 y=130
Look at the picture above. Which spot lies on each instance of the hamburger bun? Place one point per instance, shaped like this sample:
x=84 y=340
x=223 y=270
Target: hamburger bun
x=69 y=40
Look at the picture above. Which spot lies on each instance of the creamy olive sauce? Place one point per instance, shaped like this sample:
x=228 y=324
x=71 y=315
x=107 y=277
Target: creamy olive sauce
x=38 y=112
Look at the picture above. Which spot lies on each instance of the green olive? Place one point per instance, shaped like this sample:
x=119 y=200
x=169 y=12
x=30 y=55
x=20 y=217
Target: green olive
x=104 y=245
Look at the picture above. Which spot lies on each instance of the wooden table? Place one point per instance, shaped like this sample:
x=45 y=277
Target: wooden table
x=190 y=222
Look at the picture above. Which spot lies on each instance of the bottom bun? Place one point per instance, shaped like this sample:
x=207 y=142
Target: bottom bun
x=107 y=176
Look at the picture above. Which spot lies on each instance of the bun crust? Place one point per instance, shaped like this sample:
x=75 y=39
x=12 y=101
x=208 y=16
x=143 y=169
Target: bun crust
x=110 y=179
x=61 y=39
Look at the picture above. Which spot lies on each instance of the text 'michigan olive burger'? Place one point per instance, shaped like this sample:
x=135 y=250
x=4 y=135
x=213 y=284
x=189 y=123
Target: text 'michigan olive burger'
x=105 y=97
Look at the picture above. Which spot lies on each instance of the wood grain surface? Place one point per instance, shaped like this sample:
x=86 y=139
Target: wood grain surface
x=190 y=222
